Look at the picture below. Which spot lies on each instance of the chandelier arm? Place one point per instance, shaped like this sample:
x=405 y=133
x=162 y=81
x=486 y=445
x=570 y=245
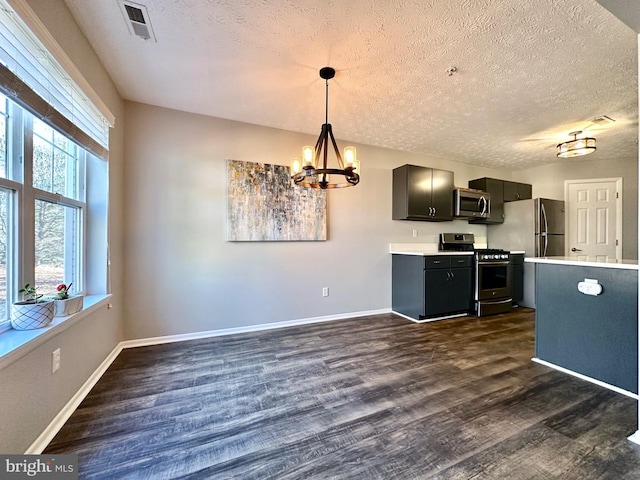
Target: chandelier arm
x=318 y=147
x=325 y=144
x=336 y=149
x=322 y=141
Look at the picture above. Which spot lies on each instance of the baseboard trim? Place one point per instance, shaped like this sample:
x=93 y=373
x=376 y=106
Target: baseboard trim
x=588 y=379
x=427 y=320
x=145 y=342
x=635 y=438
x=60 y=419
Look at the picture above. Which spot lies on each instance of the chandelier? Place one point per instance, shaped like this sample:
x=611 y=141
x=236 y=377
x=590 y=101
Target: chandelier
x=311 y=171
x=577 y=146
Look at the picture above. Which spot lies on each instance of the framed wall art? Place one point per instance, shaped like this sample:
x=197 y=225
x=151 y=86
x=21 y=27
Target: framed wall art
x=263 y=205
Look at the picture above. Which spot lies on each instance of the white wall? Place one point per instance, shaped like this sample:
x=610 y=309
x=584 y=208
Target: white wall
x=30 y=396
x=183 y=274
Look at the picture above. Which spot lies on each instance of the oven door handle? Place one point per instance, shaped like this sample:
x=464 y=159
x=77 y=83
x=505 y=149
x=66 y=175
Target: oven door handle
x=497 y=302
x=493 y=263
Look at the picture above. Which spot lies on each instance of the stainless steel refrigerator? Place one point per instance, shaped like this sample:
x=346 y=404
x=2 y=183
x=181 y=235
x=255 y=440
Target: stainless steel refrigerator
x=534 y=226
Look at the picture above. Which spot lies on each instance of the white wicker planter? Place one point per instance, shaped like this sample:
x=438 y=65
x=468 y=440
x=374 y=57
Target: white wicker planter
x=28 y=316
x=68 y=306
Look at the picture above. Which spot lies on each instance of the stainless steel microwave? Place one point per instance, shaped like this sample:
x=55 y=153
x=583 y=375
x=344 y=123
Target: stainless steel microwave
x=470 y=203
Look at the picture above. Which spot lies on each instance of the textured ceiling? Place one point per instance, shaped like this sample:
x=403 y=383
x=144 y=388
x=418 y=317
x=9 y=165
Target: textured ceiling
x=528 y=71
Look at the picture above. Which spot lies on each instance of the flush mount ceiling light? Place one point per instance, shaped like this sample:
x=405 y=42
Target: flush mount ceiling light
x=577 y=146
x=312 y=172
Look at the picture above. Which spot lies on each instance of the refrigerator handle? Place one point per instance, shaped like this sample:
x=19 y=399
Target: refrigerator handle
x=543 y=234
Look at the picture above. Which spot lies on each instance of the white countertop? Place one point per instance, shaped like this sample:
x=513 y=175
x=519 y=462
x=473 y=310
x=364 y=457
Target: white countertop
x=431 y=249
x=429 y=253
x=422 y=249
x=621 y=264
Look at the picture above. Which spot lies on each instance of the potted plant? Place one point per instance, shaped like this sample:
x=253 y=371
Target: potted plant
x=65 y=304
x=33 y=312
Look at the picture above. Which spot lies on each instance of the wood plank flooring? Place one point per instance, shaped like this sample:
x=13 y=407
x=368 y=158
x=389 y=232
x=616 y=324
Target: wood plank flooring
x=374 y=397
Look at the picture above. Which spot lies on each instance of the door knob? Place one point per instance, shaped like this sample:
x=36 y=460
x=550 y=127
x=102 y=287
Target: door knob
x=574 y=249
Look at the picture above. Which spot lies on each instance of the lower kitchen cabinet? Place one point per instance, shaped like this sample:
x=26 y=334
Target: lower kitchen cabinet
x=432 y=286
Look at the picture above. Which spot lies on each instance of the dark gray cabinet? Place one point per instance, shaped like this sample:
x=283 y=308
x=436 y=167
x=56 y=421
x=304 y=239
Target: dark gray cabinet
x=594 y=335
x=501 y=191
x=495 y=188
x=516 y=263
x=421 y=193
x=514 y=191
x=432 y=286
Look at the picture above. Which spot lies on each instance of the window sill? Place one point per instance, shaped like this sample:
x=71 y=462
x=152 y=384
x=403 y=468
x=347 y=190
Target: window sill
x=15 y=344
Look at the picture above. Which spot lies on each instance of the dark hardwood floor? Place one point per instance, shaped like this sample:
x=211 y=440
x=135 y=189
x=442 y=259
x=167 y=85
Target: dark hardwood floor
x=374 y=397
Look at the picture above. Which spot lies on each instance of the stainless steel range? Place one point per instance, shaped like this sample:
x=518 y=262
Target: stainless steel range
x=492 y=291
x=493 y=282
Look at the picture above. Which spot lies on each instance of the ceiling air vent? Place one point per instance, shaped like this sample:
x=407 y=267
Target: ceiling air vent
x=137 y=19
x=602 y=120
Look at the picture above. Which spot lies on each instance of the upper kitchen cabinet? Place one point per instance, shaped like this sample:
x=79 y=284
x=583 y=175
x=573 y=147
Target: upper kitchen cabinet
x=514 y=191
x=501 y=191
x=421 y=193
x=495 y=188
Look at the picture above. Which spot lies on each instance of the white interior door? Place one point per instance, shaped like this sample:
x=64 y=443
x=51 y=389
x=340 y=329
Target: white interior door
x=594 y=219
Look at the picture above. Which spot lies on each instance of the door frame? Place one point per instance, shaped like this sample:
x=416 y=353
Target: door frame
x=618 y=181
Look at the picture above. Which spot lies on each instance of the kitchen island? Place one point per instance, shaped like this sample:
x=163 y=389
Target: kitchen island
x=587 y=319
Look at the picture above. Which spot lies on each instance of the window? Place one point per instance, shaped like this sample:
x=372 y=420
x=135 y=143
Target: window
x=54 y=138
x=57 y=242
x=42 y=206
x=5 y=235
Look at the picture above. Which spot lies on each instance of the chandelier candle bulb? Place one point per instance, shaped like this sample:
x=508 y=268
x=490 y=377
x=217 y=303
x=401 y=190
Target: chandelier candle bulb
x=308 y=154
x=350 y=157
x=296 y=166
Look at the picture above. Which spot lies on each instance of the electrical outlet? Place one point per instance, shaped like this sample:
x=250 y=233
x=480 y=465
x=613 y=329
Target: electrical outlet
x=55 y=360
x=415 y=232
x=325 y=292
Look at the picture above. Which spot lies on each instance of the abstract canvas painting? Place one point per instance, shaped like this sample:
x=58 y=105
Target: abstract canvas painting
x=263 y=205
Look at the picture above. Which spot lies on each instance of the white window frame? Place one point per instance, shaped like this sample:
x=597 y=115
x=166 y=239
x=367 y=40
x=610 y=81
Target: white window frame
x=21 y=206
